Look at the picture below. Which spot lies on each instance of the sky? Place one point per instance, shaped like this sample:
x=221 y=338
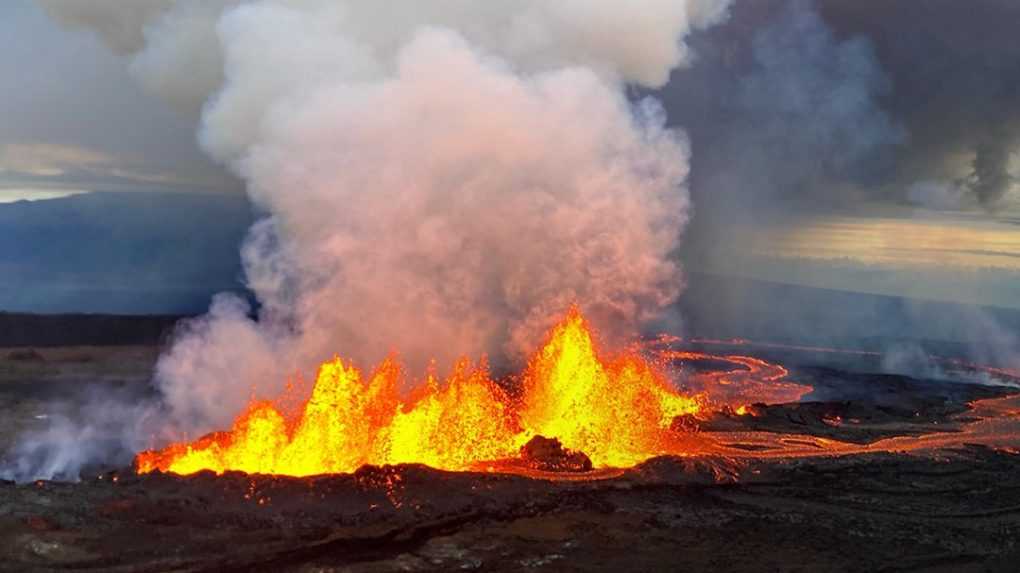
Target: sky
x=72 y=119
x=862 y=146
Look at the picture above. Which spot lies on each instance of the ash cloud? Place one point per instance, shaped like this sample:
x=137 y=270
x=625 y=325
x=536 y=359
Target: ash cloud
x=799 y=109
x=800 y=106
x=957 y=84
x=173 y=44
x=121 y=25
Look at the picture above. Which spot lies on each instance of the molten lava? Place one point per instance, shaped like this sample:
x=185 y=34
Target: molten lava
x=617 y=410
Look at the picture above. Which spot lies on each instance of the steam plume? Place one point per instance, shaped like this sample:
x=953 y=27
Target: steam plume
x=441 y=178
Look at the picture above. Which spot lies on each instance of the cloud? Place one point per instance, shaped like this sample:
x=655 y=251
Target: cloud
x=956 y=87
x=118 y=252
x=121 y=25
x=440 y=178
x=73 y=117
x=43 y=159
x=57 y=167
x=786 y=118
x=13 y=195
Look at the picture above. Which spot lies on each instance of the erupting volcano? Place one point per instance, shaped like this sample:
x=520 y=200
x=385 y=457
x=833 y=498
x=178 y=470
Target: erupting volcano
x=617 y=409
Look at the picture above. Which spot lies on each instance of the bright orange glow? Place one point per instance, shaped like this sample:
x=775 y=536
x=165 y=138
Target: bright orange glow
x=616 y=409
x=349 y=422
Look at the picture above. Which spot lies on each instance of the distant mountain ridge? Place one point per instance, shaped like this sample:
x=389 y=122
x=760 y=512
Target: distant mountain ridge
x=121 y=252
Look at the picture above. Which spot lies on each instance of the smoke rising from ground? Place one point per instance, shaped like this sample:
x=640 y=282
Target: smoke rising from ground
x=440 y=178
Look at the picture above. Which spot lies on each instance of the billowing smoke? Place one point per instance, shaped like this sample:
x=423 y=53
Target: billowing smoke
x=788 y=117
x=957 y=81
x=440 y=178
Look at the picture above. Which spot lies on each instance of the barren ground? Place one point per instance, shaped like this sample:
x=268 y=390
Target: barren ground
x=954 y=508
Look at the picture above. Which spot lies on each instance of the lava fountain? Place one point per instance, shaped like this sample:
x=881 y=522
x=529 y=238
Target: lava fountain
x=617 y=409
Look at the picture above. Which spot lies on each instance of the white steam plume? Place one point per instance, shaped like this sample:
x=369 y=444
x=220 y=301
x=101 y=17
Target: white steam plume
x=443 y=177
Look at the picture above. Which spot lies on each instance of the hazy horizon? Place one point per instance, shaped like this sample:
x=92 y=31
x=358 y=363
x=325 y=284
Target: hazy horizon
x=824 y=153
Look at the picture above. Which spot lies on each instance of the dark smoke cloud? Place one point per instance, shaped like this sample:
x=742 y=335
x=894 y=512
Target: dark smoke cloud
x=956 y=71
x=786 y=116
x=439 y=178
x=798 y=105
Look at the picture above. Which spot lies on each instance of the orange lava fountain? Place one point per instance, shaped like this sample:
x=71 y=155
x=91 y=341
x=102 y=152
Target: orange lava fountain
x=617 y=410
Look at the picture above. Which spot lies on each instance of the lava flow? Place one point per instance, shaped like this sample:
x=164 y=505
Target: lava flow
x=617 y=410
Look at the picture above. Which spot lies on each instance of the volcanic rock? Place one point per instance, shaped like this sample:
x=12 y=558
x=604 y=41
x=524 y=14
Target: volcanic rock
x=549 y=455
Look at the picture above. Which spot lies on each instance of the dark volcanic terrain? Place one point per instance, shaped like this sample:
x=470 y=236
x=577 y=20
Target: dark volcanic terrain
x=958 y=510
x=871 y=472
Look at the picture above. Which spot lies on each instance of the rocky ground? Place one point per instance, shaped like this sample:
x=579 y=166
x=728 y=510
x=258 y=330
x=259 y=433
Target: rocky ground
x=945 y=509
x=955 y=511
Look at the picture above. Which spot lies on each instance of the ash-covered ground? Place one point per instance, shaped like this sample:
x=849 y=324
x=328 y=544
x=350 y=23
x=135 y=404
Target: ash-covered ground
x=920 y=482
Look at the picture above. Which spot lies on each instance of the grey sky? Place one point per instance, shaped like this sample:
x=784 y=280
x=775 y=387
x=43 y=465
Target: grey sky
x=71 y=117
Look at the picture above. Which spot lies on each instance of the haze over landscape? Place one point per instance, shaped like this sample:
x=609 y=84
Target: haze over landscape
x=852 y=183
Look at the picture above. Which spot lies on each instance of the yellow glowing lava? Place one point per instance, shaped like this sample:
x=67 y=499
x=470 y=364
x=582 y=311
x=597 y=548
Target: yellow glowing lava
x=618 y=411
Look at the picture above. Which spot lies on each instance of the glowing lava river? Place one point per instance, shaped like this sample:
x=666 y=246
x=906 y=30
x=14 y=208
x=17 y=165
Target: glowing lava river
x=615 y=411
